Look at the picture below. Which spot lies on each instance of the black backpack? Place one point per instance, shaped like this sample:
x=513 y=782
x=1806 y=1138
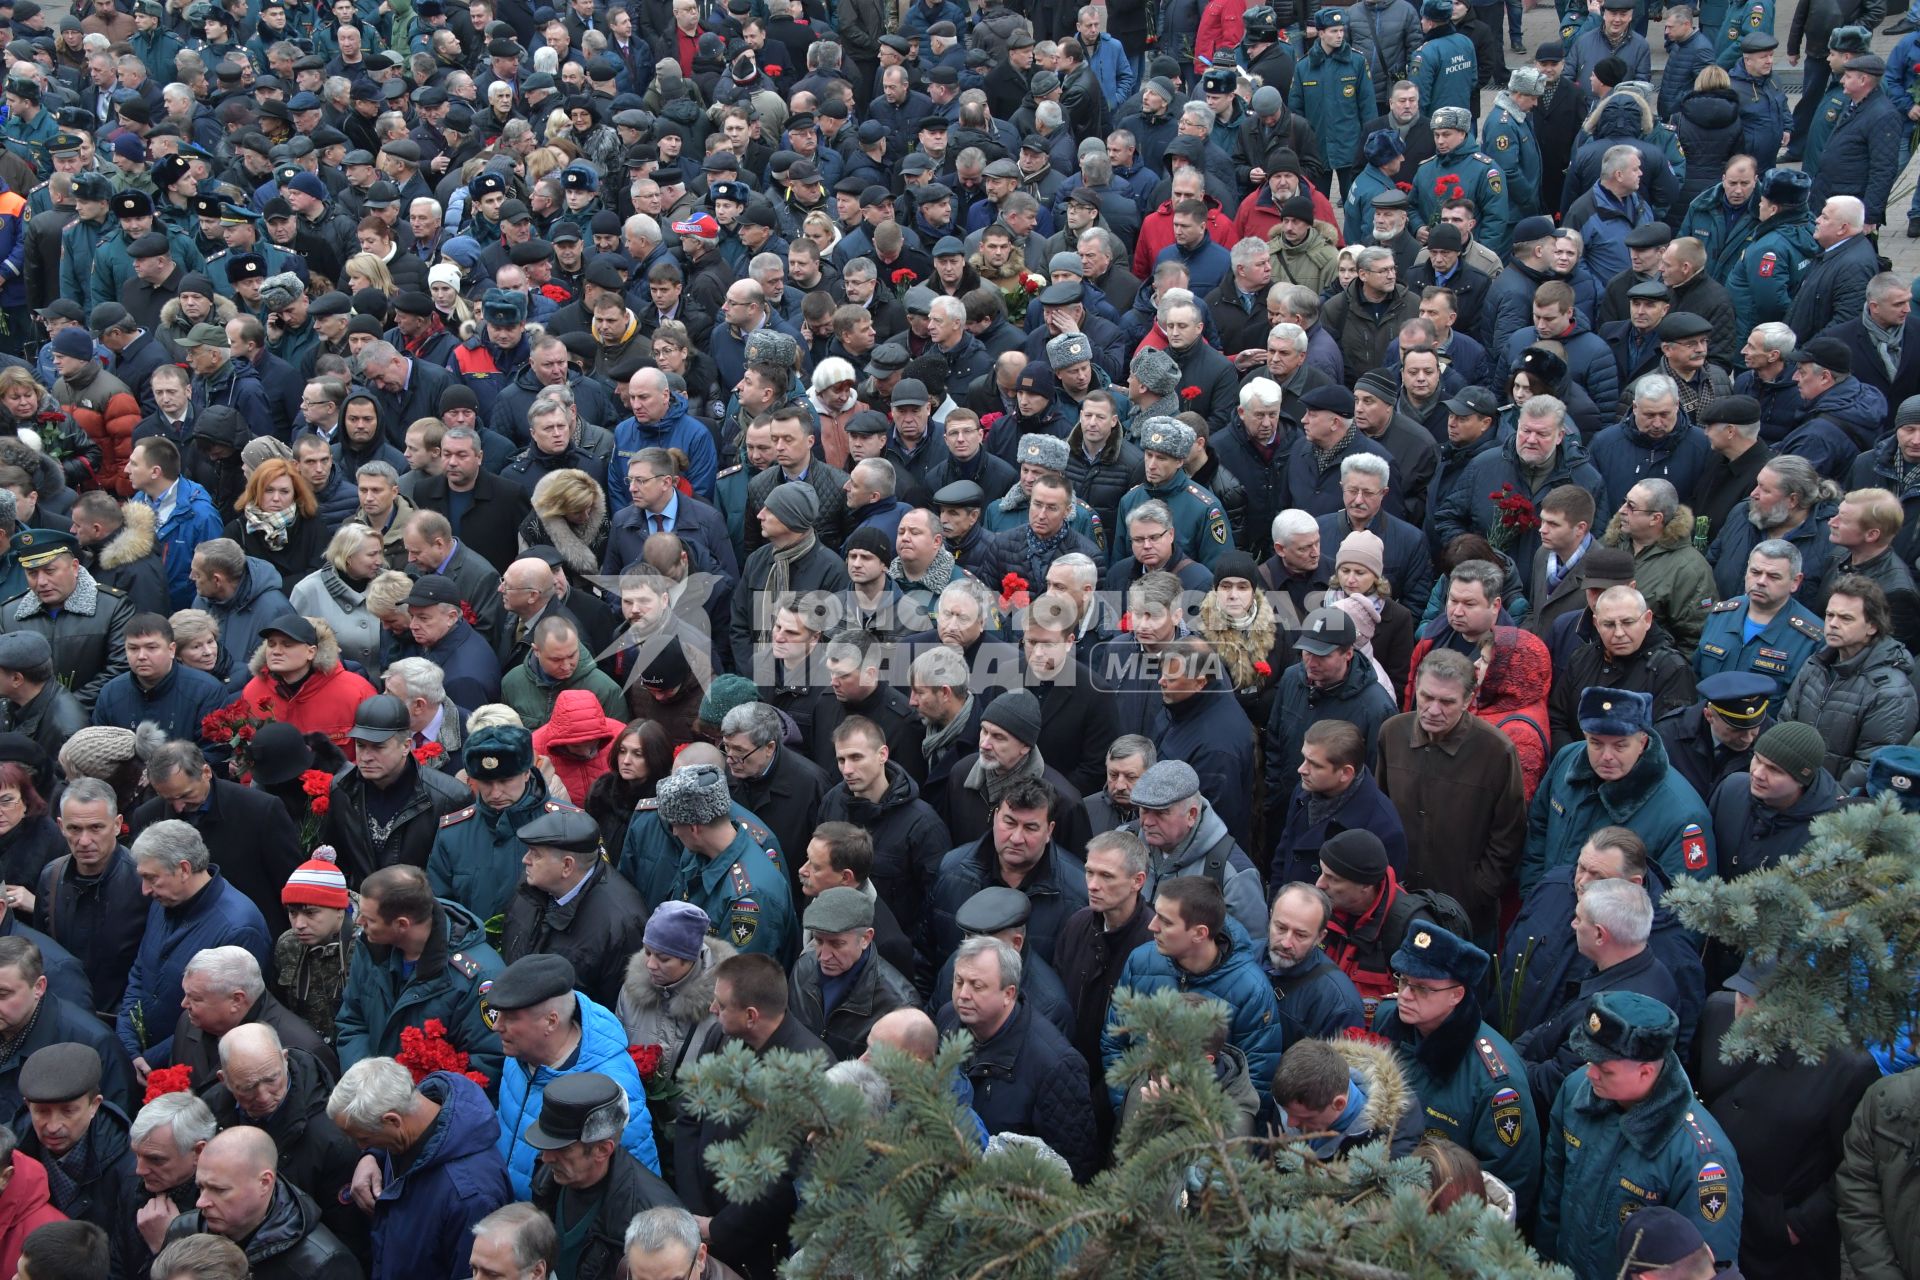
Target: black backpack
x=1441 y=909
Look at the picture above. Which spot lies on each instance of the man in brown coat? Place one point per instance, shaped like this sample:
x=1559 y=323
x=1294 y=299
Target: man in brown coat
x=1455 y=781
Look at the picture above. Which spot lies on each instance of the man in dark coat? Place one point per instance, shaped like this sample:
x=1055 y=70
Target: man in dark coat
x=1712 y=739
x=771 y=778
x=1892 y=366
x=584 y=1114
x=275 y=1223
x=50 y=1019
x=84 y=1139
x=1631 y=651
x=1862 y=155
x=224 y=989
x=572 y=905
x=1767 y=813
x=877 y=796
x=750 y=997
x=791 y=559
x=1834 y=288
x=385 y=779
x=485 y=510
x=1009 y=737
x=249 y=833
x=1093 y=946
x=83 y=900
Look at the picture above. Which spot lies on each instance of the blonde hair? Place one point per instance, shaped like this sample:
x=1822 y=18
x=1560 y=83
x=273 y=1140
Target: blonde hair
x=386 y=591
x=493 y=715
x=373 y=269
x=346 y=540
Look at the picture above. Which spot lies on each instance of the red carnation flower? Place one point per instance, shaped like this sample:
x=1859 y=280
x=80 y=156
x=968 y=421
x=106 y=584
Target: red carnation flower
x=471 y=618
x=165 y=1080
x=428 y=752
x=1262 y=668
x=1189 y=393
x=904 y=275
x=646 y=1059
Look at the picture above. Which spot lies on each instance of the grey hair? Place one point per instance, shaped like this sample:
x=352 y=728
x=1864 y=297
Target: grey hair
x=872 y=1086
x=1198 y=111
x=1848 y=210
x=1371 y=256
x=382 y=470
x=1655 y=386
x=1662 y=498
x=1049 y=119
x=377 y=351
x=1248 y=252
x=760 y=722
x=1097 y=170
x=1129 y=745
x=1630 y=595
x=947 y=308
x=532 y=1232
x=878 y=473
x=1109 y=243
x=1176 y=300
x=861 y=268
x=1296 y=300
x=84 y=790
x=1615 y=159
x=369 y=1089
x=1777 y=337
x=1366 y=464
x=1777 y=549
x=641 y=226
x=420 y=678
x=1264 y=392
x=172 y=842
x=1622 y=908
x=1292 y=523
x=1798 y=478
x=940 y=668
x=973 y=589
x=552 y=400
x=1543 y=408
x=183 y=1114
x=1152 y=511
x=1291 y=334
x=224 y=556
x=763 y=265
x=668 y=1227
x=1080 y=565
x=1131 y=848
x=230 y=968
x=1003 y=955
x=1488 y=574
x=243 y=1037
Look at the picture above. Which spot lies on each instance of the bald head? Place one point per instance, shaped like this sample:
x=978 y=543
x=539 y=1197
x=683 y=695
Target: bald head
x=699 y=753
x=526 y=586
x=250 y=1047
x=249 y=1149
x=910 y=1031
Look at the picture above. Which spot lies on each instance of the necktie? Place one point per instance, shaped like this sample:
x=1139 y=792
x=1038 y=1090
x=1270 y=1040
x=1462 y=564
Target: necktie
x=659 y=522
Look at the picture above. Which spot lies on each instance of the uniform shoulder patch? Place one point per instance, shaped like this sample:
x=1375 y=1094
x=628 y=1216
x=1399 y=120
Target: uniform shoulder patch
x=1490 y=1058
x=1808 y=627
x=1483 y=157
x=106 y=590
x=1503 y=142
x=724 y=473
x=1505 y=1105
x=466 y=966
x=742 y=883
x=458 y=816
x=1727 y=606
x=651 y=802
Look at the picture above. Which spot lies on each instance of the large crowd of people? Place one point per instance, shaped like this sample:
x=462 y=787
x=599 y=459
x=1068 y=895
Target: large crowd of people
x=539 y=543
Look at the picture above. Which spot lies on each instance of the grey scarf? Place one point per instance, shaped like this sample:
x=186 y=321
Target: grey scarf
x=780 y=574
x=936 y=739
x=992 y=783
x=935 y=579
x=1885 y=341
x=1324 y=460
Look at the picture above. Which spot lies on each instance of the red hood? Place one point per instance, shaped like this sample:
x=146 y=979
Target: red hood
x=26 y=1194
x=1518 y=675
x=577 y=717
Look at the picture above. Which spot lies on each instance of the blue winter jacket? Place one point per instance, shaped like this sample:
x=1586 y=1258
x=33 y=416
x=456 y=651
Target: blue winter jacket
x=678 y=430
x=192 y=522
x=1207 y=265
x=257 y=601
x=1236 y=980
x=1589 y=360
x=183 y=698
x=218 y=916
x=423 y=1220
x=1113 y=69
x=1838 y=427
x=1604 y=221
x=1624 y=456
x=603 y=1048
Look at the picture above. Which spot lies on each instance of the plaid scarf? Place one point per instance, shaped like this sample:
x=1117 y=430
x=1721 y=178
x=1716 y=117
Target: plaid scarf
x=1325 y=460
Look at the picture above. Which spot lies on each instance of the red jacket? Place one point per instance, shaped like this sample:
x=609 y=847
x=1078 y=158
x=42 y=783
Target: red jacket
x=1517 y=682
x=107 y=411
x=1223 y=26
x=1156 y=233
x=24 y=1208
x=577 y=718
x=326 y=699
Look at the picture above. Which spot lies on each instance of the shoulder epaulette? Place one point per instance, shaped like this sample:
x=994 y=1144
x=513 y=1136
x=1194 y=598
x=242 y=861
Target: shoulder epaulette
x=1481 y=155
x=1701 y=1138
x=469 y=967
x=554 y=806
x=457 y=816
x=1727 y=606
x=1490 y=1058
x=742 y=883
x=727 y=471
x=106 y=590
x=1807 y=627
x=651 y=802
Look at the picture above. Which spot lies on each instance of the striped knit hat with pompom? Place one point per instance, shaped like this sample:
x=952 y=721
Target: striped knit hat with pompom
x=317 y=882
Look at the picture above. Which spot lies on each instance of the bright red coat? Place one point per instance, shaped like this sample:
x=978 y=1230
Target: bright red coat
x=24 y=1209
x=324 y=702
x=577 y=718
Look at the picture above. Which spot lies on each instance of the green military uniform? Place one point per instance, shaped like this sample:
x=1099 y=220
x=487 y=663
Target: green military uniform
x=1445 y=71
x=1334 y=93
x=29 y=139
x=477 y=851
x=1472 y=174
x=113 y=265
x=1199 y=523
x=1507 y=135
x=743 y=891
x=1742 y=20
x=1769 y=270
x=1724 y=240
x=650 y=857
x=1470 y=1082
x=449 y=983
x=1604 y=1161
x=80 y=243
x=1778 y=650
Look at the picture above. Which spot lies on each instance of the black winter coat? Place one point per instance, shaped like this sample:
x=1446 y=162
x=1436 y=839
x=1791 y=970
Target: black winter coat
x=598 y=931
x=26 y=850
x=787 y=798
x=1708 y=124
x=888 y=707
x=306 y=546
x=909 y=839
x=491 y=525
x=1263 y=478
x=1656 y=668
x=1076 y=726
x=1788 y=1122
x=629 y=1188
x=61 y=1022
x=89 y=918
x=1089 y=959
x=315 y=1155
x=877 y=990
x=194 y=1048
x=1057 y=887
x=1028 y=1079
x=968 y=819
x=107 y=1190
x=345 y=827
x=1750 y=836
x=1102 y=481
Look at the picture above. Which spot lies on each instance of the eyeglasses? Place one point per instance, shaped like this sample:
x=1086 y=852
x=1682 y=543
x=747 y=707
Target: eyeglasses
x=735 y=756
x=1403 y=983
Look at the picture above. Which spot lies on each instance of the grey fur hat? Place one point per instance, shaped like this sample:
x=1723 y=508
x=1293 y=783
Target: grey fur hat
x=278 y=293
x=1044 y=451
x=694 y=796
x=1156 y=370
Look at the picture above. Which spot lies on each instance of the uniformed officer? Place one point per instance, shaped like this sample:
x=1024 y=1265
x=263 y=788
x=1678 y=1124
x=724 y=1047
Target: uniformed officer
x=1765 y=118
x=84 y=621
x=1456 y=169
x=1199 y=522
x=28 y=129
x=113 y=265
x=241 y=228
x=1444 y=69
x=1038 y=455
x=1626 y=1133
x=1469 y=1080
x=64 y=149
x=1713 y=739
x=1333 y=89
x=80 y=239
x=477 y=853
x=1843 y=45
x=1744 y=18
x=1766 y=630
x=649 y=858
x=418 y=958
x=1768 y=273
x=1507 y=135
x=723 y=870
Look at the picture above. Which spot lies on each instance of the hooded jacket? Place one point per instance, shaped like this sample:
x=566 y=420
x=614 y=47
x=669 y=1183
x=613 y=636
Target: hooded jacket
x=24 y=1208
x=256 y=601
x=1652 y=799
x=1235 y=979
x=1838 y=427
x=602 y=1048
x=324 y=702
x=126 y=562
x=1707 y=122
x=531 y=692
x=909 y=840
x=1388 y=1114
x=424 y=1217
x=1858 y=704
x=1672 y=574
x=1621 y=119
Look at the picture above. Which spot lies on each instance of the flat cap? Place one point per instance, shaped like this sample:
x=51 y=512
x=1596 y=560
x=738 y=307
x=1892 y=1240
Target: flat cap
x=531 y=980
x=1650 y=235
x=1679 y=326
x=1166 y=784
x=24 y=650
x=843 y=909
x=961 y=493
x=60 y=1073
x=993 y=909
x=568 y=830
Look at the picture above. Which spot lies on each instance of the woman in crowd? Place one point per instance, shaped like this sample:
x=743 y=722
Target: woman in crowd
x=278 y=520
x=336 y=593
